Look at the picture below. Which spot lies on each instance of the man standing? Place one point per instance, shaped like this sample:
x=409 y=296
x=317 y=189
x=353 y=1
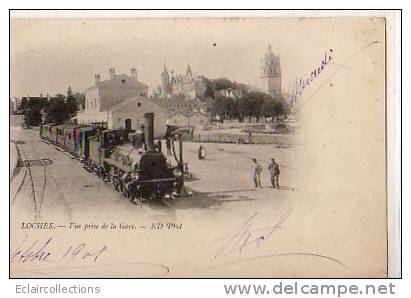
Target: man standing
x=274 y=169
x=256 y=170
x=159 y=145
x=168 y=144
x=201 y=152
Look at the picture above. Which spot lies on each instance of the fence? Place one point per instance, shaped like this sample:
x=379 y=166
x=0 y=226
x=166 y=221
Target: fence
x=221 y=137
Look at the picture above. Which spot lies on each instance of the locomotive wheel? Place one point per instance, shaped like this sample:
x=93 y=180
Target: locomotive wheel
x=160 y=191
x=114 y=183
x=136 y=195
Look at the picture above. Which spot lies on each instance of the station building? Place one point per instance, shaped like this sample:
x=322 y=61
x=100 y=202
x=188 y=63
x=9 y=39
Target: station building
x=120 y=102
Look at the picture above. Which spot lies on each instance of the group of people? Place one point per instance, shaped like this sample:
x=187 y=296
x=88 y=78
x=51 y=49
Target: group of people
x=274 y=169
x=256 y=168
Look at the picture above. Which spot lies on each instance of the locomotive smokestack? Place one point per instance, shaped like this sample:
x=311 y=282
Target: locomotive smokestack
x=149 y=131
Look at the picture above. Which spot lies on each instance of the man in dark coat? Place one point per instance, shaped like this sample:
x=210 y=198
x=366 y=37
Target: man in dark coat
x=274 y=169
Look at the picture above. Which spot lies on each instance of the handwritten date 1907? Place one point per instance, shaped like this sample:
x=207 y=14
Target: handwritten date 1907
x=42 y=251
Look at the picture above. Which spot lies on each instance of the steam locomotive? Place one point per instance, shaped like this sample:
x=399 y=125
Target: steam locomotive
x=129 y=160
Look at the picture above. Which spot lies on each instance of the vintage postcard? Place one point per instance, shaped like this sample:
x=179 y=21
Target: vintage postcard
x=198 y=147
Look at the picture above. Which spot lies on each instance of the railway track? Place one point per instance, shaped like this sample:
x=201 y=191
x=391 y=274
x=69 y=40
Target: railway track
x=37 y=177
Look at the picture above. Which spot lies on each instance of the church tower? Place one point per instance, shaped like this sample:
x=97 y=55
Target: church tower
x=271 y=73
x=165 y=80
x=189 y=74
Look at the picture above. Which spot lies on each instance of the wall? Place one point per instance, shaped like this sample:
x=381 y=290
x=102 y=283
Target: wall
x=178 y=120
x=131 y=110
x=86 y=118
x=17 y=121
x=221 y=137
x=14 y=158
x=114 y=91
x=197 y=119
x=92 y=94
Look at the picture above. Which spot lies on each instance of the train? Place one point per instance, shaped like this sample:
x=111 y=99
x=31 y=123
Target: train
x=129 y=160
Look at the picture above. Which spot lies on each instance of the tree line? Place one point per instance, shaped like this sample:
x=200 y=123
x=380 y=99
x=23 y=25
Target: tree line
x=57 y=109
x=247 y=104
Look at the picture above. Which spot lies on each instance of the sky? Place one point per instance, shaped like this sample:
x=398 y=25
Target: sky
x=48 y=55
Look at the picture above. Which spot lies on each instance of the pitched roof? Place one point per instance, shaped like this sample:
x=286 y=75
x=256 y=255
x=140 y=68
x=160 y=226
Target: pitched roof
x=117 y=78
x=117 y=82
x=125 y=101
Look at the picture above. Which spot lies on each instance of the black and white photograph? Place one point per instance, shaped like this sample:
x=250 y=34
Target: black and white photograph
x=198 y=147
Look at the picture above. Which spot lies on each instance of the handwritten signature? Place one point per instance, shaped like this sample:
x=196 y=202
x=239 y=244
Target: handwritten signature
x=246 y=235
x=300 y=84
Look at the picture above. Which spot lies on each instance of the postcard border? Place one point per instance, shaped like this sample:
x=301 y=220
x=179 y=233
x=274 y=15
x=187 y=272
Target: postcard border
x=237 y=278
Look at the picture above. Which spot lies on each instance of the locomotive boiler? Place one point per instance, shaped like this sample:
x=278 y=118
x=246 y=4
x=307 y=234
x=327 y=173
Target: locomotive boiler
x=138 y=168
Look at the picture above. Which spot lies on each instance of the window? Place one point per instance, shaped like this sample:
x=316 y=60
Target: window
x=139 y=104
x=123 y=81
x=128 y=123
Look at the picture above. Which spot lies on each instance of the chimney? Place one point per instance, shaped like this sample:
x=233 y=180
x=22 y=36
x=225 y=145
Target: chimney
x=111 y=73
x=97 y=79
x=149 y=131
x=133 y=73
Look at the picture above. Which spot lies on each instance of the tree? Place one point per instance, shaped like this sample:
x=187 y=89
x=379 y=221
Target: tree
x=240 y=87
x=249 y=104
x=222 y=83
x=231 y=108
x=274 y=108
x=57 y=110
x=71 y=106
x=245 y=106
x=80 y=99
x=209 y=89
x=23 y=106
x=33 y=111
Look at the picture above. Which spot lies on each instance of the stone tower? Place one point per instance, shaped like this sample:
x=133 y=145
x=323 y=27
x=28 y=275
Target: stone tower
x=189 y=74
x=271 y=73
x=165 y=81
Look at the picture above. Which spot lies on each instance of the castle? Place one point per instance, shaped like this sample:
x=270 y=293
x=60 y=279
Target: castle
x=188 y=85
x=271 y=73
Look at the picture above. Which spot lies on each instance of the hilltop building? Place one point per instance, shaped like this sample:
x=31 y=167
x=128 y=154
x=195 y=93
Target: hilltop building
x=188 y=85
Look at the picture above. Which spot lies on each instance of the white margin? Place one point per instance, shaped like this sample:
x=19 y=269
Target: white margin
x=393 y=133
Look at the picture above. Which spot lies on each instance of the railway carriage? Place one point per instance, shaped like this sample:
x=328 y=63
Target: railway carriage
x=53 y=134
x=45 y=131
x=61 y=135
x=127 y=159
x=82 y=137
x=70 y=138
